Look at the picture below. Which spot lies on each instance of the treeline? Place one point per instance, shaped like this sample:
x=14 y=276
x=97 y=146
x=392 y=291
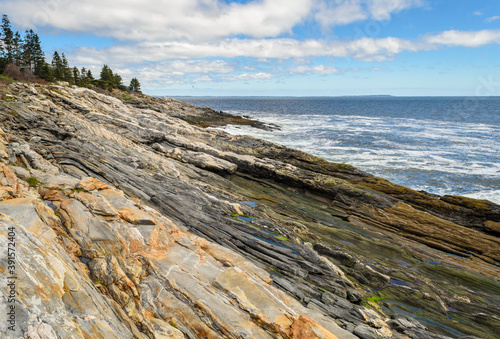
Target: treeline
x=22 y=58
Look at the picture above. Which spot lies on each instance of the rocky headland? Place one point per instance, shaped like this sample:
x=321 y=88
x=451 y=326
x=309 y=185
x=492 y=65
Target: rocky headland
x=132 y=219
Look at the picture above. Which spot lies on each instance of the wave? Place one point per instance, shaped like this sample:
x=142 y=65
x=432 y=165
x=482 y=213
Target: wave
x=441 y=155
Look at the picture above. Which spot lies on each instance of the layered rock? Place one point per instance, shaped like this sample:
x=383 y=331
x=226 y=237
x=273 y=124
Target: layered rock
x=181 y=231
x=92 y=263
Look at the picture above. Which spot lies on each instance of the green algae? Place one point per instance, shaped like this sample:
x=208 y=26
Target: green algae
x=432 y=285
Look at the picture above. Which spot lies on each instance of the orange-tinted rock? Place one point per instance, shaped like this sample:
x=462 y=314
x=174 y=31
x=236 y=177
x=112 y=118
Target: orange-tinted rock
x=9 y=188
x=136 y=216
x=90 y=184
x=306 y=328
x=52 y=195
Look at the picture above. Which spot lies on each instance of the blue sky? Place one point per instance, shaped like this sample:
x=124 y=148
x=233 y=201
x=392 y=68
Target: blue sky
x=277 y=47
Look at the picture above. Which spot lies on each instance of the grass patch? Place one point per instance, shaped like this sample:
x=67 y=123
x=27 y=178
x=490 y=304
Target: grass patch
x=5 y=79
x=127 y=97
x=33 y=182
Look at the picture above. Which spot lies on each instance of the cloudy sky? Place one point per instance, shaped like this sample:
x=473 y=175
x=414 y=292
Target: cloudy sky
x=277 y=47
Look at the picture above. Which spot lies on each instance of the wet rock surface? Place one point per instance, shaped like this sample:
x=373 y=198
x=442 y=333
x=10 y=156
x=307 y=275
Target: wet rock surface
x=132 y=221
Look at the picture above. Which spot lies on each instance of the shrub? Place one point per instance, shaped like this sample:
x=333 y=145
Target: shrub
x=13 y=72
x=33 y=182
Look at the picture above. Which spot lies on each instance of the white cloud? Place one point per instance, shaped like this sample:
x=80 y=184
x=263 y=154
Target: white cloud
x=182 y=67
x=320 y=69
x=367 y=49
x=335 y=13
x=342 y=12
x=204 y=78
x=248 y=77
x=382 y=9
x=171 y=72
x=492 y=18
x=194 y=20
x=478 y=13
x=151 y=20
x=466 y=38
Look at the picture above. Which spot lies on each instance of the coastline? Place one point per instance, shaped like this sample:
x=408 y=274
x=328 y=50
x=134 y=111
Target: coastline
x=335 y=239
x=436 y=145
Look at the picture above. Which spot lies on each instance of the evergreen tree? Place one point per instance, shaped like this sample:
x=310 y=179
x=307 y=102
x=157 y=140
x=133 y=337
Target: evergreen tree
x=32 y=56
x=17 y=49
x=110 y=80
x=7 y=42
x=83 y=77
x=27 y=53
x=67 y=74
x=106 y=74
x=117 y=82
x=76 y=76
x=45 y=72
x=57 y=67
x=134 y=86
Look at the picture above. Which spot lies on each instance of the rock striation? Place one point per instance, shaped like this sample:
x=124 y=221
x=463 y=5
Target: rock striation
x=132 y=219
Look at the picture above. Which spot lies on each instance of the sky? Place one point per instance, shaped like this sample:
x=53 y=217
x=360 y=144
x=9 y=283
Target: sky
x=277 y=47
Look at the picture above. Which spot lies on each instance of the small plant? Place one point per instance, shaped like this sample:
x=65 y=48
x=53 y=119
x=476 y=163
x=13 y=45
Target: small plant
x=76 y=189
x=171 y=323
x=102 y=252
x=33 y=182
x=127 y=97
x=98 y=282
x=373 y=300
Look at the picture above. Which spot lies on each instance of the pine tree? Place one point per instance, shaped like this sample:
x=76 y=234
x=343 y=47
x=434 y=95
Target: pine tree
x=7 y=41
x=67 y=73
x=57 y=67
x=110 y=80
x=32 y=56
x=17 y=50
x=85 y=78
x=117 y=82
x=45 y=72
x=106 y=74
x=135 y=86
x=76 y=76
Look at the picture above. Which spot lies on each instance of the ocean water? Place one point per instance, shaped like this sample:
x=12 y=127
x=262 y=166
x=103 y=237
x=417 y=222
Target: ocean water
x=442 y=145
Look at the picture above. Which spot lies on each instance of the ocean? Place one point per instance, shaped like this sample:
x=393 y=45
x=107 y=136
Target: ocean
x=442 y=145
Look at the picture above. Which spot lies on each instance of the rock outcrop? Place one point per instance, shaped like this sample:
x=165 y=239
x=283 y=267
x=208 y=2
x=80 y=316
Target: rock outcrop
x=130 y=220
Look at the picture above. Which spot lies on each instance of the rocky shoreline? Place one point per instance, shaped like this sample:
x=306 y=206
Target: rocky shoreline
x=134 y=220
